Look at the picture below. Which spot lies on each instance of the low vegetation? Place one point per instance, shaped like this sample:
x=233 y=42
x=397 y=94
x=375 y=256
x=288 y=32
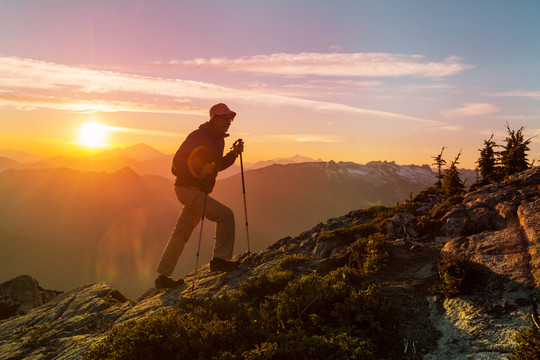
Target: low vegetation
x=320 y=317
x=528 y=345
x=283 y=313
x=458 y=275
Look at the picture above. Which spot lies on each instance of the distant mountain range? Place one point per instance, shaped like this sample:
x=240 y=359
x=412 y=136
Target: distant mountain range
x=296 y=159
x=142 y=158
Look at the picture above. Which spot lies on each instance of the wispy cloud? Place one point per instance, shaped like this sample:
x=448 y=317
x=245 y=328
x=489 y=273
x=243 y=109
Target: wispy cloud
x=471 y=109
x=319 y=88
x=516 y=93
x=23 y=74
x=142 y=131
x=334 y=86
x=337 y=64
x=33 y=74
x=300 y=138
x=516 y=117
x=30 y=102
x=452 y=127
x=431 y=87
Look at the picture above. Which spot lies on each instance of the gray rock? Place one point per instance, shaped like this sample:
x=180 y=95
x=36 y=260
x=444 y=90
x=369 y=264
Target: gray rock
x=19 y=295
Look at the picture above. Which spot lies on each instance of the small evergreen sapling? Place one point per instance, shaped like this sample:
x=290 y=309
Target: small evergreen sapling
x=514 y=156
x=452 y=183
x=487 y=162
x=440 y=162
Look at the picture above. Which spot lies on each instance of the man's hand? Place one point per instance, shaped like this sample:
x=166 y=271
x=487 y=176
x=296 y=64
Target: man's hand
x=238 y=146
x=208 y=170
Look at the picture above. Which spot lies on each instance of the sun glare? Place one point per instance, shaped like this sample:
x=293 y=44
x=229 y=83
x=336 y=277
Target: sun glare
x=93 y=135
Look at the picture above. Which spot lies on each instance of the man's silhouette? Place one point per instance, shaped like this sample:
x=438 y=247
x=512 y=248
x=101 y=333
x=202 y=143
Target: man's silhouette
x=195 y=165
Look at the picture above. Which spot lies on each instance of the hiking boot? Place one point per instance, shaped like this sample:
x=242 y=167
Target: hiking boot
x=223 y=265
x=165 y=282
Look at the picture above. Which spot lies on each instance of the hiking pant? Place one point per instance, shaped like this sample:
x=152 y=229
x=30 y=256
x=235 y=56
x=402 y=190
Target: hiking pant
x=193 y=200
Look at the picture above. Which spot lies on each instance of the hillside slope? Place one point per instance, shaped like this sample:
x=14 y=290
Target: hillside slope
x=497 y=227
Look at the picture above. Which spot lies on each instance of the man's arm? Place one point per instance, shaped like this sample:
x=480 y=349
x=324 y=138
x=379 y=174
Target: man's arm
x=230 y=157
x=227 y=160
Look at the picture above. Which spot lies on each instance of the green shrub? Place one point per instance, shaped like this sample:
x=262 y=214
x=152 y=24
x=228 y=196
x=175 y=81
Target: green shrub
x=369 y=254
x=428 y=225
x=373 y=211
x=383 y=217
x=318 y=310
x=528 y=345
x=271 y=282
x=349 y=234
x=295 y=345
x=317 y=303
x=380 y=218
x=292 y=262
x=427 y=193
x=441 y=209
x=263 y=285
x=197 y=329
x=116 y=298
x=457 y=274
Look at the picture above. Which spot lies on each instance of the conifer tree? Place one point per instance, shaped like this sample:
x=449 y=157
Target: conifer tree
x=452 y=183
x=440 y=162
x=514 y=156
x=487 y=163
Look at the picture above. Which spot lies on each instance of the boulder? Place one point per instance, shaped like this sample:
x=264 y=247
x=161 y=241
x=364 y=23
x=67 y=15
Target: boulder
x=503 y=252
x=19 y=295
x=529 y=219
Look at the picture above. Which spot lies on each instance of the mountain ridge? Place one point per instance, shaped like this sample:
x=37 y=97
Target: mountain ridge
x=146 y=160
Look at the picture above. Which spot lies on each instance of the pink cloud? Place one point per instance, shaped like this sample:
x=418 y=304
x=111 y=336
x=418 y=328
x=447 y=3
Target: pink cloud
x=337 y=64
x=470 y=109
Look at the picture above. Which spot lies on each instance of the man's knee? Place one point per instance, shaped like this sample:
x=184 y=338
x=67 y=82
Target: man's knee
x=227 y=215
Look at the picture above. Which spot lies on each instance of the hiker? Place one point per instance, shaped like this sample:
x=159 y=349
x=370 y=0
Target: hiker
x=195 y=165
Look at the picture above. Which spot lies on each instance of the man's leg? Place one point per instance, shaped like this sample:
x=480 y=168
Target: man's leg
x=187 y=221
x=224 y=235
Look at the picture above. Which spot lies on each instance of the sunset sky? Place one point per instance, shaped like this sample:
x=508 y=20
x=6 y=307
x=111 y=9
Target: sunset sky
x=351 y=80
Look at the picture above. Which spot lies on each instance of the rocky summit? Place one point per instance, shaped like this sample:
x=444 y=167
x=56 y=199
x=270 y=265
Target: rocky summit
x=495 y=230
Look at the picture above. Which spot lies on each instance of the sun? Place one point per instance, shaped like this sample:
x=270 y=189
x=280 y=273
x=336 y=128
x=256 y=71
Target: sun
x=93 y=135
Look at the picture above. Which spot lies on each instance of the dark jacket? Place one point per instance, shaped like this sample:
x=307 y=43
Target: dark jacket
x=202 y=146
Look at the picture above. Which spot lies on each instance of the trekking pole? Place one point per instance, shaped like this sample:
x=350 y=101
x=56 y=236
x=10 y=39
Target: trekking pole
x=244 y=192
x=200 y=239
